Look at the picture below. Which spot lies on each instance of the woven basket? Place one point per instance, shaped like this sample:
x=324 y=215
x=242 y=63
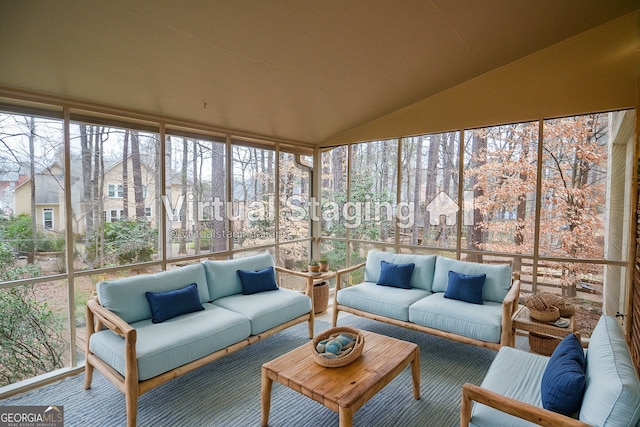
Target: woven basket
x=553 y=300
x=355 y=353
x=566 y=309
x=550 y=315
x=542 y=344
x=320 y=297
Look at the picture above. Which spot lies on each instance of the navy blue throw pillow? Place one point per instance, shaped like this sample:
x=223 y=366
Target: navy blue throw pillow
x=564 y=379
x=167 y=305
x=465 y=287
x=396 y=275
x=258 y=281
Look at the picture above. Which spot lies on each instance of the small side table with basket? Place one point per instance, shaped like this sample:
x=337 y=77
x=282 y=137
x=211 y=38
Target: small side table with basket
x=544 y=335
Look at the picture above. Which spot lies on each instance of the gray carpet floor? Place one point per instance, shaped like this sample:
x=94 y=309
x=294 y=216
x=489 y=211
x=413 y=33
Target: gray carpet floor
x=227 y=392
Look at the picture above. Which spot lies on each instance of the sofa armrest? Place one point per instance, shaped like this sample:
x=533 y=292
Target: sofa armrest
x=108 y=318
x=304 y=274
x=99 y=316
x=534 y=414
x=292 y=272
x=509 y=307
x=344 y=271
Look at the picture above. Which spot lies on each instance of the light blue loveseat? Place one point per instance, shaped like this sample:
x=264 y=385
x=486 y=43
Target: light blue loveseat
x=513 y=387
x=136 y=354
x=423 y=306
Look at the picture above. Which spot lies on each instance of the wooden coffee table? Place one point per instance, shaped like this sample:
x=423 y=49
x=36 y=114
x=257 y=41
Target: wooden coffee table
x=345 y=389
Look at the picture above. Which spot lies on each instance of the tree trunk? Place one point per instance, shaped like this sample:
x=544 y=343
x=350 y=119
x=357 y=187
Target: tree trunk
x=432 y=176
x=197 y=155
x=86 y=149
x=184 y=211
x=32 y=173
x=137 y=174
x=338 y=158
x=125 y=175
x=98 y=193
x=476 y=237
x=218 y=180
x=416 y=193
x=168 y=208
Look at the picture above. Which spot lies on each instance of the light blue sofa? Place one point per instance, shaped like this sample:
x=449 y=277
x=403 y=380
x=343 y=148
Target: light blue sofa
x=423 y=306
x=136 y=354
x=512 y=387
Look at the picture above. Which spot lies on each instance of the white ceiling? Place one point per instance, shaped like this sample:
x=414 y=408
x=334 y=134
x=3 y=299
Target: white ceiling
x=297 y=70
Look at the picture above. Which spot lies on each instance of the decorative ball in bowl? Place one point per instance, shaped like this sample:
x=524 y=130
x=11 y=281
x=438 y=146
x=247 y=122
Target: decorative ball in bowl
x=337 y=347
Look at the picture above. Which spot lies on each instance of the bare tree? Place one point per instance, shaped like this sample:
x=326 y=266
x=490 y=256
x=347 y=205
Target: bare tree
x=136 y=165
x=479 y=157
x=125 y=175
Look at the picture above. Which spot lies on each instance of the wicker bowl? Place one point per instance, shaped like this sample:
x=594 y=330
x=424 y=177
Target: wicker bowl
x=549 y=315
x=343 y=358
x=553 y=300
x=566 y=309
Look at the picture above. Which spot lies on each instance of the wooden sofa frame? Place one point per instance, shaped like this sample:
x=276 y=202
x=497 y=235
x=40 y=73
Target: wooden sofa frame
x=99 y=317
x=531 y=413
x=509 y=307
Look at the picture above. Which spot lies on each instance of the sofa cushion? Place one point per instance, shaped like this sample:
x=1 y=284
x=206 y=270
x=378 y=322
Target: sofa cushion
x=161 y=347
x=254 y=282
x=563 y=381
x=126 y=297
x=382 y=300
x=496 y=285
x=222 y=276
x=167 y=305
x=465 y=287
x=481 y=322
x=612 y=397
x=266 y=310
x=422 y=276
x=514 y=373
x=396 y=275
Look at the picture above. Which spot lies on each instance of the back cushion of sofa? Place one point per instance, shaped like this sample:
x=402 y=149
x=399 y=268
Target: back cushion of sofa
x=222 y=276
x=612 y=397
x=496 y=285
x=422 y=276
x=126 y=297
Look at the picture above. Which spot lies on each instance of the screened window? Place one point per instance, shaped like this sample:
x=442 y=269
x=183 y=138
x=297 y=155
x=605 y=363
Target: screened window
x=195 y=201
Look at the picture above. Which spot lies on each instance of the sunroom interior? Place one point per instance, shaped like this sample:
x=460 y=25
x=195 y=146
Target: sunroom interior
x=319 y=129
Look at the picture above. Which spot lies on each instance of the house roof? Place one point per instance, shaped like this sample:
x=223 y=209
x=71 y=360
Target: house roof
x=302 y=71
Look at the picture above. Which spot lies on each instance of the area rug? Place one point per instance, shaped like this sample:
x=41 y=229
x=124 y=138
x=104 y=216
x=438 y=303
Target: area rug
x=227 y=392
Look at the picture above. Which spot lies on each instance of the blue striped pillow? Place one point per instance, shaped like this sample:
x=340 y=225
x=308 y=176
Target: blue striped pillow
x=167 y=305
x=465 y=287
x=395 y=275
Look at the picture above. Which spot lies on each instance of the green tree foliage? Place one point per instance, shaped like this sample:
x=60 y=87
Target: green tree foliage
x=16 y=231
x=124 y=242
x=30 y=339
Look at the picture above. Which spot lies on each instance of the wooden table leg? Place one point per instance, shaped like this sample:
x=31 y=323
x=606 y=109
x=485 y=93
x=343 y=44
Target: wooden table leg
x=265 y=397
x=312 y=320
x=346 y=417
x=415 y=373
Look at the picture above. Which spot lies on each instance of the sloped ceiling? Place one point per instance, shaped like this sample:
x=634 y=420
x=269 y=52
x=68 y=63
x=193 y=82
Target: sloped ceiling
x=296 y=70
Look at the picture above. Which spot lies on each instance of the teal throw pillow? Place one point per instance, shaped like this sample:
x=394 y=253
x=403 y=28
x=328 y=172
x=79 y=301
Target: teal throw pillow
x=258 y=281
x=564 y=379
x=395 y=275
x=465 y=287
x=167 y=305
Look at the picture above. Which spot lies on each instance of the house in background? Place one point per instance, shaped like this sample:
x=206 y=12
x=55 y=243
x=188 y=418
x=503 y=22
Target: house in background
x=8 y=183
x=50 y=207
x=49 y=198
